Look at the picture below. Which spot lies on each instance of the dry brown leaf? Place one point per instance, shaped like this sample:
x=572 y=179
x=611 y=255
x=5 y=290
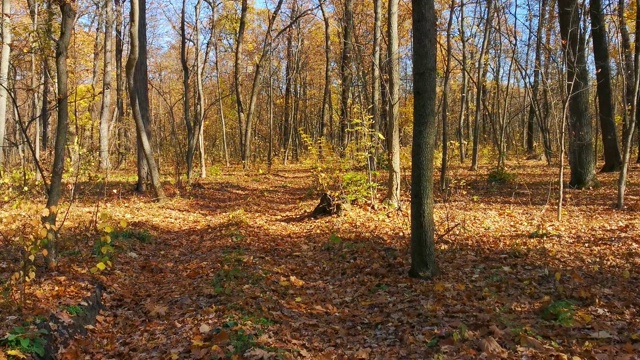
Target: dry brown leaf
x=491 y=347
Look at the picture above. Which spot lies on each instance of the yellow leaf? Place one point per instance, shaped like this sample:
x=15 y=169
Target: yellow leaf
x=53 y=210
x=45 y=252
x=284 y=283
x=32 y=257
x=123 y=224
x=108 y=229
x=17 y=353
x=439 y=287
x=107 y=239
x=44 y=212
x=32 y=275
x=197 y=341
x=298 y=299
x=104 y=249
x=43 y=233
x=104 y=216
x=626 y=274
x=558 y=276
x=101 y=266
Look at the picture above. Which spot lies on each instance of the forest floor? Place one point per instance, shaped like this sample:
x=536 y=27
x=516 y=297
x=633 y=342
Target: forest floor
x=231 y=268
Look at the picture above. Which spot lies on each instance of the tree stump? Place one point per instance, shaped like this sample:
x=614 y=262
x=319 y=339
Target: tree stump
x=328 y=206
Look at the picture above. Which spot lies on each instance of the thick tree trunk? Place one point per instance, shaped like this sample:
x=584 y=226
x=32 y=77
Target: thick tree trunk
x=135 y=91
x=393 y=130
x=105 y=111
x=581 y=158
x=612 y=160
x=142 y=88
x=423 y=262
x=68 y=10
x=4 y=73
x=628 y=67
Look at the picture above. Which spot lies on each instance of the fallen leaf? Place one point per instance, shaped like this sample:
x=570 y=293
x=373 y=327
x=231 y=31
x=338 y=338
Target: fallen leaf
x=491 y=347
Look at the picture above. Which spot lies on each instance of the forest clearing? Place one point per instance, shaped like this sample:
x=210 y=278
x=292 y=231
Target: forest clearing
x=231 y=268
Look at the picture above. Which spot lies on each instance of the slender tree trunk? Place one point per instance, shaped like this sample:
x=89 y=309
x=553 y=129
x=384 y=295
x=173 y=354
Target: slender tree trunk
x=132 y=68
x=464 y=89
x=445 y=100
x=142 y=87
x=4 y=73
x=326 y=94
x=626 y=150
x=375 y=79
x=393 y=132
x=346 y=74
x=200 y=93
x=68 y=10
x=628 y=67
x=534 y=107
x=35 y=103
x=290 y=72
x=581 y=158
x=105 y=111
x=480 y=84
x=236 y=73
x=612 y=160
x=423 y=261
x=119 y=50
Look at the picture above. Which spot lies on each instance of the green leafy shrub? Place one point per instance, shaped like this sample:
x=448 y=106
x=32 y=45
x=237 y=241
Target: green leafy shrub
x=356 y=186
x=25 y=341
x=562 y=312
x=501 y=176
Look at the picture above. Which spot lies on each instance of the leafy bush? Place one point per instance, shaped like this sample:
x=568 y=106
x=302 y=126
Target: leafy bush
x=501 y=176
x=356 y=186
x=562 y=312
x=24 y=340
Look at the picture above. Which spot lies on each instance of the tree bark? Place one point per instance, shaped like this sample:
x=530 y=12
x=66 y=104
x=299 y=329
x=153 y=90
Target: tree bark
x=132 y=69
x=393 y=130
x=142 y=88
x=199 y=118
x=480 y=84
x=606 y=110
x=464 y=89
x=423 y=262
x=236 y=74
x=445 y=100
x=105 y=111
x=346 y=74
x=122 y=133
x=68 y=10
x=4 y=74
x=581 y=160
x=326 y=93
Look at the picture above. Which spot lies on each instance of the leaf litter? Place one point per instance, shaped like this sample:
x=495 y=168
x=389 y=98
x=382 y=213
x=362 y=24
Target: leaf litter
x=228 y=275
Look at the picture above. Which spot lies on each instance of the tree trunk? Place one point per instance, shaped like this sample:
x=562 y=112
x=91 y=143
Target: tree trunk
x=375 y=79
x=346 y=75
x=445 y=100
x=142 y=89
x=236 y=74
x=218 y=86
x=464 y=89
x=4 y=73
x=612 y=160
x=326 y=93
x=581 y=160
x=480 y=84
x=289 y=73
x=393 y=130
x=35 y=87
x=423 y=261
x=192 y=124
x=132 y=71
x=68 y=10
x=626 y=150
x=122 y=147
x=534 y=107
x=105 y=111
x=200 y=93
